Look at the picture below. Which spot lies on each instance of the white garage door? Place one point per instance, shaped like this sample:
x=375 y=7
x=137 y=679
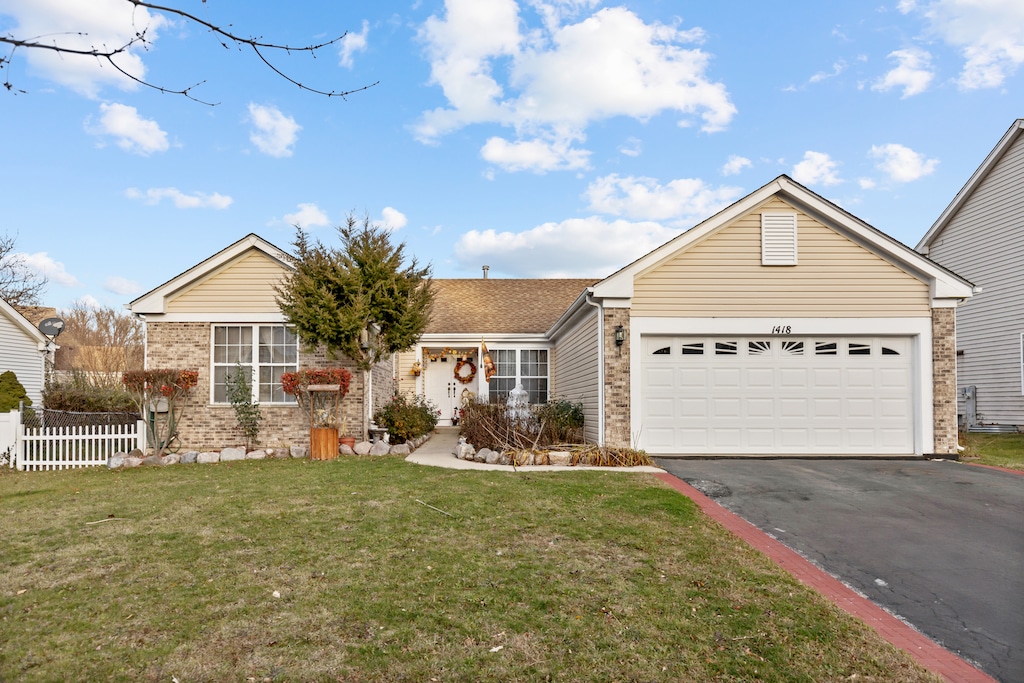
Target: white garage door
x=777 y=395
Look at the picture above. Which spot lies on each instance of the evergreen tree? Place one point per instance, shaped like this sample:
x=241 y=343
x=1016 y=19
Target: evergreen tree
x=12 y=393
x=359 y=299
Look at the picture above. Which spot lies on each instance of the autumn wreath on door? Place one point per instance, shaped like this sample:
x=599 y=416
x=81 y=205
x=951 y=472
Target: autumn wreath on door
x=460 y=366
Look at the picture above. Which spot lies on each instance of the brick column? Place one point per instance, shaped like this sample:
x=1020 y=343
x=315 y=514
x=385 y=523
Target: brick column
x=616 y=379
x=944 y=382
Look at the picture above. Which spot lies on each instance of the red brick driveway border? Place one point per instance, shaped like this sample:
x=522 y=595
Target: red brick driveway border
x=924 y=650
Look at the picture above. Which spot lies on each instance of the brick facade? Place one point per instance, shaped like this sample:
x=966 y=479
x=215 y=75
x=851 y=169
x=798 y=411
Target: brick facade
x=616 y=380
x=206 y=426
x=944 y=381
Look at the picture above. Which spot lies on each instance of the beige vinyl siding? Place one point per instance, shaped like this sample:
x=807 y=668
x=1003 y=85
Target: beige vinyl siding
x=406 y=381
x=246 y=285
x=723 y=276
x=574 y=372
x=984 y=242
x=20 y=354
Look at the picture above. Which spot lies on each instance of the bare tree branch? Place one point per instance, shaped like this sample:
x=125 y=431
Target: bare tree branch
x=109 y=55
x=19 y=284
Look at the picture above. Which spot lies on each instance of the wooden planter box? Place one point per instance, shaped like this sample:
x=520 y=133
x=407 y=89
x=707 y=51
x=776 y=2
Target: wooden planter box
x=323 y=443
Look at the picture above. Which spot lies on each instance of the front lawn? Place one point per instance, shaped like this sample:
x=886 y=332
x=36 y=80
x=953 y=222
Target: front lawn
x=1002 y=450
x=368 y=569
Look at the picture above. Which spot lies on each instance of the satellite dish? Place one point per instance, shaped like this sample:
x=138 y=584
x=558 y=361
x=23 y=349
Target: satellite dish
x=51 y=327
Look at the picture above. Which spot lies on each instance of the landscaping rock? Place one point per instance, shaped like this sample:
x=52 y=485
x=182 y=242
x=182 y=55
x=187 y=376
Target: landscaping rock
x=559 y=458
x=152 y=460
x=380 y=448
x=363 y=448
x=256 y=455
x=132 y=461
x=504 y=459
x=541 y=459
x=229 y=454
x=298 y=451
x=477 y=457
x=170 y=459
x=401 y=449
x=345 y=449
x=136 y=453
x=208 y=458
x=491 y=457
x=189 y=457
x=116 y=460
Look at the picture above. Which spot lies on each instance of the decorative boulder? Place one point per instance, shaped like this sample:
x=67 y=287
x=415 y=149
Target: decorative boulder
x=189 y=457
x=259 y=454
x=136 y=453
x=170 y=459
x=345 y=449
x=491 y=457
x=152 y=460
x=559 y=458
x=363 y=448
x=380 y=448
x=132 y=461
x=541 y=459
x=401 y=449
x=116 y=460
x=208 y=457
x=229 y=454
x=298 y=451
x=504 y=459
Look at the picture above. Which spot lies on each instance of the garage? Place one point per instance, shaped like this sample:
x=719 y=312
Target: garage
x=824 y=395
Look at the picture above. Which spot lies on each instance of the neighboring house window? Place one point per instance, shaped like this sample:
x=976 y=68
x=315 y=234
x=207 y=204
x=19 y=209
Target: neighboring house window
x=778 y=239
x=266 y=351
x=526 y=366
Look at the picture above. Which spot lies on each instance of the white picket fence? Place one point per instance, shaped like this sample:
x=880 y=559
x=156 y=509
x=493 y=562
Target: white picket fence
x=59 y=448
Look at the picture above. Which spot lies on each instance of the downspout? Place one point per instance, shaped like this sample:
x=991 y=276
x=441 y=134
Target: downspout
x=600 y=369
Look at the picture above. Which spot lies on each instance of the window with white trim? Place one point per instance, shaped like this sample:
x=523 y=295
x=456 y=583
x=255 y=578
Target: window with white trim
x=512 y=366
x=778 y=239
x=266 y=351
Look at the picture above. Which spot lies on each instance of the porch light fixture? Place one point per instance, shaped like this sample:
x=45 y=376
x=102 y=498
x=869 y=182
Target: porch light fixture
x=620 y=335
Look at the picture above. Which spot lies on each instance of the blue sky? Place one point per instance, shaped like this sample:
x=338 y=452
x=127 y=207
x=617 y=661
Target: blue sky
x=543 y=138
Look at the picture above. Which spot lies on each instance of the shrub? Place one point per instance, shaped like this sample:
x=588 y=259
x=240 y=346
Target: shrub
x=488 y=425
x=247 y=411
x=12 y=393
x=561 y=421
x=407 y=418
x=76 y=392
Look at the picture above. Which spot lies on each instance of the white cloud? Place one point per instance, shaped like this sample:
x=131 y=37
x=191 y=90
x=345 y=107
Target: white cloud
x=579 y=247
x=83 y=26
x=393 y=219
x=534 y=155
x=196 y=200
x=988 y=33
x=274 y=133
x=735 y=164
x=308 y=216
x=87 y=301
x=550 y=83
x=353 y=43
x=633 y=147
x=913 y=72
x=679 y=201
x=817 y=168
x=837 y=69
x=133 y=133
x=866 y=183
x=121 y=286
x=41 y=263
x=902 y=164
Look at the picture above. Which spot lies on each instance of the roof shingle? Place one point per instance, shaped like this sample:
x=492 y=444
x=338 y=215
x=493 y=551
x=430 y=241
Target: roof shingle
x=502 y=305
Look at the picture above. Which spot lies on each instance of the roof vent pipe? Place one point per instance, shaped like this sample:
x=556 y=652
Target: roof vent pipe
x=486 y=268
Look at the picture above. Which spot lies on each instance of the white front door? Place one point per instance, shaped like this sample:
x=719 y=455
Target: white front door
x=777 y=395
x=441 y=387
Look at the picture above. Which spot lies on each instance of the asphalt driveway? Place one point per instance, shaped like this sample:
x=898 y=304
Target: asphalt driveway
x=939 y=544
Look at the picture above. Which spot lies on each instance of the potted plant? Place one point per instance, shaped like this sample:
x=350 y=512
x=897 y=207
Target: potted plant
x=319 y=391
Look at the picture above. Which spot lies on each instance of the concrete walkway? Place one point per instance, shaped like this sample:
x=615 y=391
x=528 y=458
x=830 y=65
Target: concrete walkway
x=438 y=451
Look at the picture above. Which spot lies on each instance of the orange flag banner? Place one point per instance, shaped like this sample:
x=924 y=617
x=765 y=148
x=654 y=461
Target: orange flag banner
x=489 y=369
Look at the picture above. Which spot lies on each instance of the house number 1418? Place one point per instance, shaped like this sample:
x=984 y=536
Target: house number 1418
x=782 y=329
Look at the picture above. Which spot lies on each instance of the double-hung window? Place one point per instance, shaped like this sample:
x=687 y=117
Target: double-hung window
x=513 y=366
x=265 y=351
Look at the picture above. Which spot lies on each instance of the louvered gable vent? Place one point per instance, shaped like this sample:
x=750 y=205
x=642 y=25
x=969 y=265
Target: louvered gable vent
x=778 y=239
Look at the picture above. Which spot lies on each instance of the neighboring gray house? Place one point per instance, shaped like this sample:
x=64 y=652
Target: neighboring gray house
x=22 y=350
x=980 y=236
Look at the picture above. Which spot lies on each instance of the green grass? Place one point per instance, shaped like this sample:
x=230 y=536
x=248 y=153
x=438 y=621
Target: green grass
x=339 y=571
x=1001 y=450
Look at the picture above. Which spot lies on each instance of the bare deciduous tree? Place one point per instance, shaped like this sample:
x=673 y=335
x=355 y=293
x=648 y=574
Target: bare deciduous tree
x=103 y=342
x=19 y=284
x=64 y=45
